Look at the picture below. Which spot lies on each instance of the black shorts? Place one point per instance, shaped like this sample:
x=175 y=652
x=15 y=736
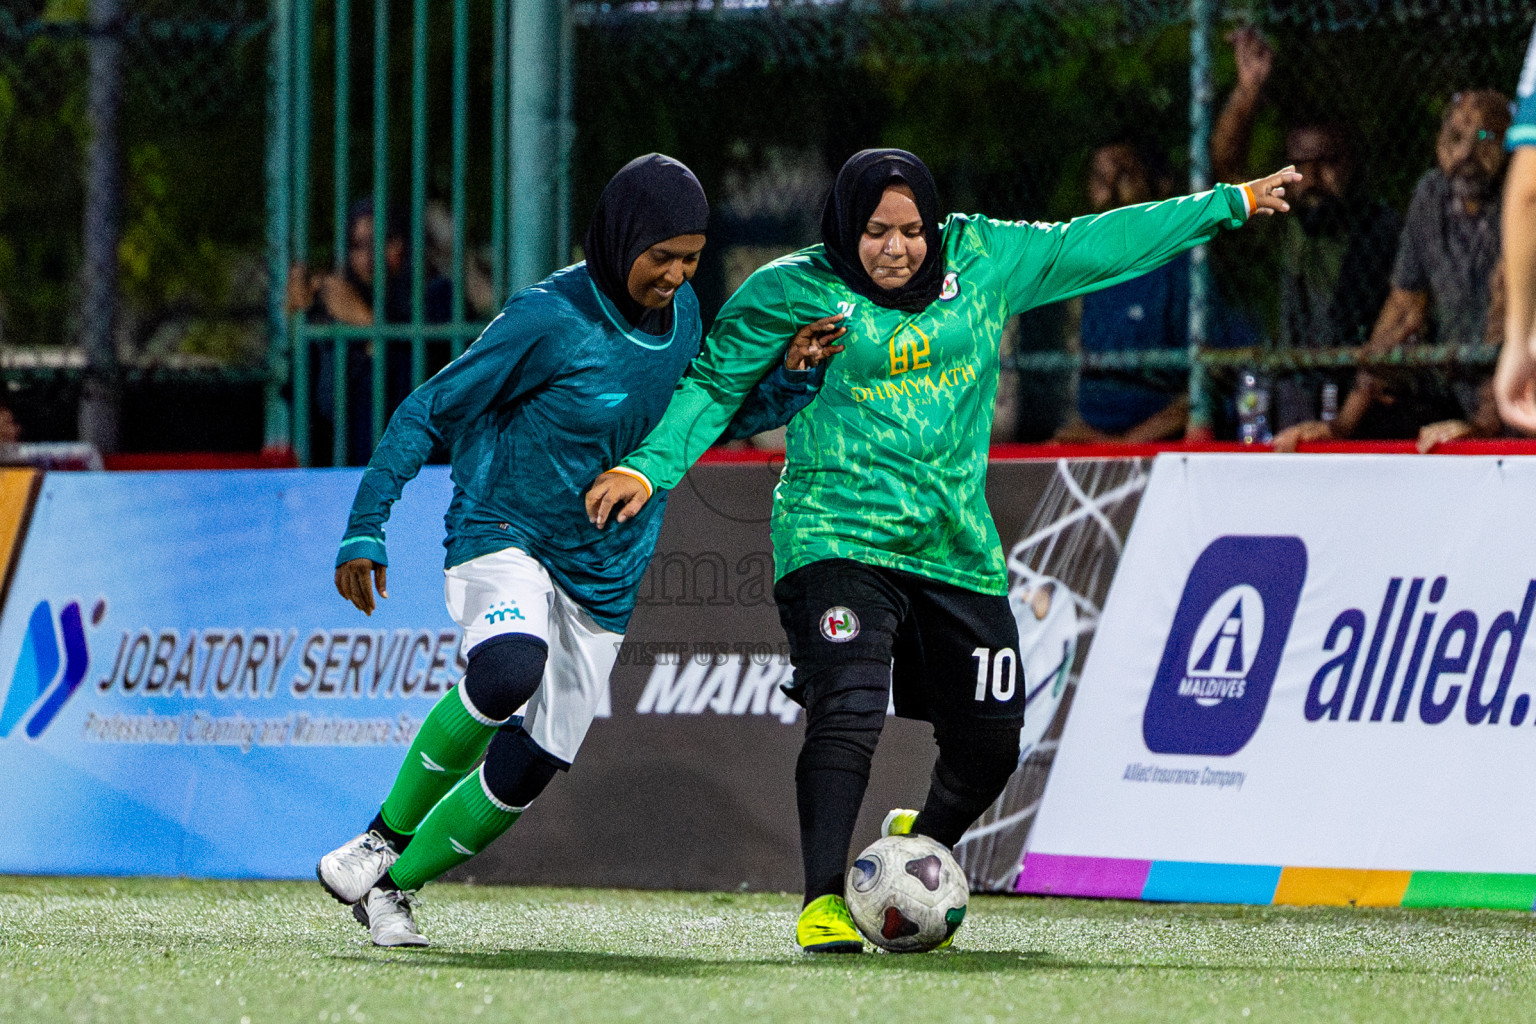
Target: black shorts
x=953 y=652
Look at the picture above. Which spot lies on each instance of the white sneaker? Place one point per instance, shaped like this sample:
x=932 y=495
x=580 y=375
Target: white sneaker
x=349 y=871
x=387 y=915
x=898 y=822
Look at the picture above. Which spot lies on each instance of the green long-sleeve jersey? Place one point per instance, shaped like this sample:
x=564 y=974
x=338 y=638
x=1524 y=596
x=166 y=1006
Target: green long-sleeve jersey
x=888 y=465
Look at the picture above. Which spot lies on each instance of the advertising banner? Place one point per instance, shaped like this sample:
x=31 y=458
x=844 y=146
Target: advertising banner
x=182 y=691
x=186 y=693
x=1309 y=685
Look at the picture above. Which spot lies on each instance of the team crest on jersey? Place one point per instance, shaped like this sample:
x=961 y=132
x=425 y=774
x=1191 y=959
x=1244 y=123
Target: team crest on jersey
x=839 y=624
x=951 y=287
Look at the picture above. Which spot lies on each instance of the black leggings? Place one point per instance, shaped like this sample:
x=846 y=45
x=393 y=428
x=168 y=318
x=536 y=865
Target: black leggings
x=859 y=633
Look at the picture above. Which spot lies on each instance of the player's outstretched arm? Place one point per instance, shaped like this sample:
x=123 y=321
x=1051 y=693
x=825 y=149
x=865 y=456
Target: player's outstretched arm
x=356 y=579
x=1044 y=263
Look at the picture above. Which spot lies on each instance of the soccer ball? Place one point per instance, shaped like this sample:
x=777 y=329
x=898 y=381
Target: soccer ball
x=906 y=893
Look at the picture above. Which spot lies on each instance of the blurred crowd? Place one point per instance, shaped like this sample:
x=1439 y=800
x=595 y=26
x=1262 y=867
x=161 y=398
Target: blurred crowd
x=1354 y=274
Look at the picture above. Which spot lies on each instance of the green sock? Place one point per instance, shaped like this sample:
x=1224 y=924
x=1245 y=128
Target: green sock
x=461 y=825
x=449 y=744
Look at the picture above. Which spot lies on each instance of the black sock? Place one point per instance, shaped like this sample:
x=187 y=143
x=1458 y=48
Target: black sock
x=387 y=883
x=517 y=769
x=971 y=772
x=397 y=840
x=829 y=800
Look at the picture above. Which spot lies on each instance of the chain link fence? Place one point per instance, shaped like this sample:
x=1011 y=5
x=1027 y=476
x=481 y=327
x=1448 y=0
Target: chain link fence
x=1009 y=101
x=190 y=323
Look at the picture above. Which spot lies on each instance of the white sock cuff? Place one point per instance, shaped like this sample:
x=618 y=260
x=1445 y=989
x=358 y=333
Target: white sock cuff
x=474 y=712
x=504 y=808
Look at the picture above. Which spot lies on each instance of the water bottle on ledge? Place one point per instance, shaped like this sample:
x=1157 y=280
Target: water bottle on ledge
x=1253 y=409
x=1330 y=403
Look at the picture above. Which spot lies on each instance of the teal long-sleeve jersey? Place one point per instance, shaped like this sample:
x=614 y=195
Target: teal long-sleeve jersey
x=557 y=389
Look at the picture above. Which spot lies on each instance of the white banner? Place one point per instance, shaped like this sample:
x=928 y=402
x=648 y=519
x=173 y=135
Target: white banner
x=1306 y=662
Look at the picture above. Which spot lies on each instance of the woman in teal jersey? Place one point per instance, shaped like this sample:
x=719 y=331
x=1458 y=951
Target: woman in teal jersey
x=891 y=578
x=564 y=383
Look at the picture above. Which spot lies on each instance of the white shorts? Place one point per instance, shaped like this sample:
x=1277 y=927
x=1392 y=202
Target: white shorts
x=508 y=591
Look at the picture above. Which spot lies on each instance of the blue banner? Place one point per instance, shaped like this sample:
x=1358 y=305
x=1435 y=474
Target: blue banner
x=182 y=690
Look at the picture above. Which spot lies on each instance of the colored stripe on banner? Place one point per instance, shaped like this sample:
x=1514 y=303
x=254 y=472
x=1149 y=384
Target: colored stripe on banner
x=1047 y=874
x=1173 y=881
x=1466 y=889
x=1342 y=887
x=1104 y=877
x=15 y=498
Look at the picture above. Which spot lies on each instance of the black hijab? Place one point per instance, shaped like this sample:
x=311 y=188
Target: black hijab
x=651 y=199
x=854 y=196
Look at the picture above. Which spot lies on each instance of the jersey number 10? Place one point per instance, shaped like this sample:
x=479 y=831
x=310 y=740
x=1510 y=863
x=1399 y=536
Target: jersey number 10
x=1002 y=669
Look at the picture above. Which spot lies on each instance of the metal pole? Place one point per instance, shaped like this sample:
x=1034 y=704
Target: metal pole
x=302 y=31
x=380 y=206
x=535 y=110
x=460 y=147
x=567 y=129
x=1201 y=98
x=101 y=388
x=279 y=124
x=418 y=189
x=341 y=202
x=499 y=74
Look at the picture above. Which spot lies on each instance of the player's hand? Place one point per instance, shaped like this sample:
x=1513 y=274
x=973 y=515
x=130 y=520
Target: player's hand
x=1302 y=433
x=1514 y=387
x=616 y=496
x=302 y=286
x=1254 y=56
x=1436 y=434
x=813 y=344
x=355 y=581
x=1269 y=193
x=342 y=301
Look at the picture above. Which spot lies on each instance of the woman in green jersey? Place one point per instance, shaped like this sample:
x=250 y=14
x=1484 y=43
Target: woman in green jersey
x=891 y=577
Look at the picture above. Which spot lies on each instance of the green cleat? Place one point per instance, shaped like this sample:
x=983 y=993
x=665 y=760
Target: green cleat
x=826 y=927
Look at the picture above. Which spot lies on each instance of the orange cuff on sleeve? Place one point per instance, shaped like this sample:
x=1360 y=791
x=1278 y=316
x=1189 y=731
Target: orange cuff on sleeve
x=649 y=488
x=1249 y=198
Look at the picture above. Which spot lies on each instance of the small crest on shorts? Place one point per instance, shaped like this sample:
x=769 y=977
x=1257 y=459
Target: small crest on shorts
x=950 y=288
x=504 y=611
x=839 y=624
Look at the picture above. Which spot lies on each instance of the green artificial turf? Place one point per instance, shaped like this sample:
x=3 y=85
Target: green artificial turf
x=122 y=951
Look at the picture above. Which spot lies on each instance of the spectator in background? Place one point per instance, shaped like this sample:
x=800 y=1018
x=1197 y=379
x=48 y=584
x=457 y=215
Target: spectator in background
x=1145 y=314
x=1442 y=282
x=1515 y=381
x=345 y=296
x=479 y=292
x=1336 y=257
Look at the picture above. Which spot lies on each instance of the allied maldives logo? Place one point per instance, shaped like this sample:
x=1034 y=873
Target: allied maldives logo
x=53 y=662
x=1224 y=648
